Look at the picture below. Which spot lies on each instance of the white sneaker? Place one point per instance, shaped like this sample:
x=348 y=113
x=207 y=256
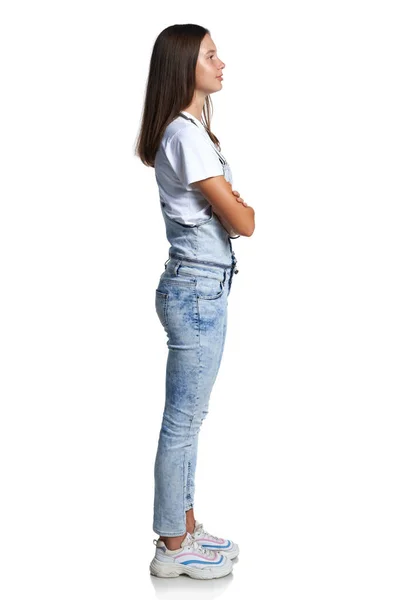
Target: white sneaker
x=190 y=559
x=222 y=545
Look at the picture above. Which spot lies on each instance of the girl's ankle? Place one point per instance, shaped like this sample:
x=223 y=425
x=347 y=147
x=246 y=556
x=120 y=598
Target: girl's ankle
x=173 y=543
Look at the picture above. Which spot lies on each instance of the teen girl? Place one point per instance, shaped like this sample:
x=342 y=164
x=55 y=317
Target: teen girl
x=202 y=214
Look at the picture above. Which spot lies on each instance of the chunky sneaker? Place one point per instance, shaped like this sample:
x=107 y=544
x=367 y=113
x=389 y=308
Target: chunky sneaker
x=190 y=559
x=225 y=547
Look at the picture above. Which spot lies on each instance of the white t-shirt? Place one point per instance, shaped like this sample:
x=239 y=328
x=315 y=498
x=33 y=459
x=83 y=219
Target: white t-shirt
x=187 y=154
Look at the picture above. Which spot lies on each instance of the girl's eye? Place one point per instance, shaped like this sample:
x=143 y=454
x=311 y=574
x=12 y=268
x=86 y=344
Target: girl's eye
x=211 y=55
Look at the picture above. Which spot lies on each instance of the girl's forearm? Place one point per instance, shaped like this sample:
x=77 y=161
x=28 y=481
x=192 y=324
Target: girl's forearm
x=226 y=225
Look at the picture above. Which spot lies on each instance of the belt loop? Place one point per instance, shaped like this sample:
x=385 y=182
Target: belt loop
x=176 y=268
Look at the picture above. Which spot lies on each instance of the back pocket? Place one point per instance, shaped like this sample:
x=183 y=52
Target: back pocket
x=162 y=307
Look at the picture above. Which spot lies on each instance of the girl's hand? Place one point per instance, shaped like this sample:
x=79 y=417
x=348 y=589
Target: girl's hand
x=238 y=198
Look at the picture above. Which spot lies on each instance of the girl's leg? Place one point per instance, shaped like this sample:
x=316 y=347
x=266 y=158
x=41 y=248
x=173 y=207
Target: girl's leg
x=196 y=330
x=192 y=456
x=182 y=384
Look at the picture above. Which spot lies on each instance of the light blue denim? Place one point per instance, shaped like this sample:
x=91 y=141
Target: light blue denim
x=191 y=301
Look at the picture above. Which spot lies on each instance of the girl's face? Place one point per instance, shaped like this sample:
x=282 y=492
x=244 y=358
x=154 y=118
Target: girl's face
x=208 y=67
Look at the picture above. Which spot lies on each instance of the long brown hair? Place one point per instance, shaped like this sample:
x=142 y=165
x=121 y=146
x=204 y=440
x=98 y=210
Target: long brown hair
x=170 y=87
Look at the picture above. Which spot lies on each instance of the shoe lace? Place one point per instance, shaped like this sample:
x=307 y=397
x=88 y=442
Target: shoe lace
x=202 y=531
x=191 y=543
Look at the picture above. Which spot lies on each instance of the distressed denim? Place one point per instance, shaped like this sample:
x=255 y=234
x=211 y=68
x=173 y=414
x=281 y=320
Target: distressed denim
x=191 y=302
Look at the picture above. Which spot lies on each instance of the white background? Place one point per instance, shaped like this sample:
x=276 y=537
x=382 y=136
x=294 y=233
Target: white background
x=299 y=455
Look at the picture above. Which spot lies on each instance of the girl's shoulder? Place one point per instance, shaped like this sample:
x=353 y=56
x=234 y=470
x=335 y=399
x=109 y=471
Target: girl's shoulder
x=181 y=128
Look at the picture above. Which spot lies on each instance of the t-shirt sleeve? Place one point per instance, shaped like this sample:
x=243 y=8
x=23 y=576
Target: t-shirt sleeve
x=192 y=156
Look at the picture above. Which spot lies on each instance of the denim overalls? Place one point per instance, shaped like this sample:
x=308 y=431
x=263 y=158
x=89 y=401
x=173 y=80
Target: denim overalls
x=191 y=302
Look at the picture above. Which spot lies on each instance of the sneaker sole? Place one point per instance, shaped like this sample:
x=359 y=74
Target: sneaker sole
x=161 y=569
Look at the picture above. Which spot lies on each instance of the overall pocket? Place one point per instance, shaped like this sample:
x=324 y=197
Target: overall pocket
x=208 y=288
x=161 y=303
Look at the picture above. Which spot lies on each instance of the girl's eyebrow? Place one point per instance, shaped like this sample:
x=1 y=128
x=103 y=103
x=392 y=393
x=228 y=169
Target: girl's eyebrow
x=208 y=51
